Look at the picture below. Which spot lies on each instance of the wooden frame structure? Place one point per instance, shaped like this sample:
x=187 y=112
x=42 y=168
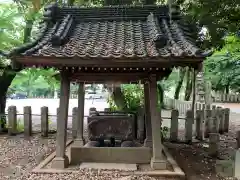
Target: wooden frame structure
x=116 y=44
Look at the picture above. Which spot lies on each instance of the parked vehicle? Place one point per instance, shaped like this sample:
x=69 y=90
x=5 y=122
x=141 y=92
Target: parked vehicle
x=93 y=95
x=18 y=96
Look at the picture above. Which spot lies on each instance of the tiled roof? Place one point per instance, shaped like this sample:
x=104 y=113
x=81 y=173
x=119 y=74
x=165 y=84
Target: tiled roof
x=112 y=32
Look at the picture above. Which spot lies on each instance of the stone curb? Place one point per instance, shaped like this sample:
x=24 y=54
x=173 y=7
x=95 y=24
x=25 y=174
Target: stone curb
x=177 y=171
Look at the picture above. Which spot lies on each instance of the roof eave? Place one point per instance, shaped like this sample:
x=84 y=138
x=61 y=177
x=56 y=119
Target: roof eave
x=107 y=62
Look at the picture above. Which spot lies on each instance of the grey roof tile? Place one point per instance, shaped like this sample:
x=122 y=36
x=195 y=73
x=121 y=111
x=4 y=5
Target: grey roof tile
x=113 y=32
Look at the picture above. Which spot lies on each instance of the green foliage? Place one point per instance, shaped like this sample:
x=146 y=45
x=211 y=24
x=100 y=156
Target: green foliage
x=2 y=119
x=223 y=68
x=164 y=131
x=11 y=28
x=20 y=125
x=217 y=16
x=34 y=81
x=50 y=121
x=112 y=104
x=133 y=96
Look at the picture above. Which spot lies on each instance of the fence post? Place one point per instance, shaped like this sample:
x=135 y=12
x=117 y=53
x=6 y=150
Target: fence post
x=238 y=139
x=12 y=120
x=44 y=121
x=203 y=107
x=213 y=144
x=27 y=111
x=74 y=122
x=188 y=126
x=219 y=117
x=207 y=116
x=199 y=124
x=140 y=123
x=213 y=120
x=221 y=123
x=226 y=119
x=174 y=125
x=57 y=113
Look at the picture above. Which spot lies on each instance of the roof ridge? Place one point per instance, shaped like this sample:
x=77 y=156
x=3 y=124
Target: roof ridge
x=54 y=12
x=155 y=32
x=63 y=30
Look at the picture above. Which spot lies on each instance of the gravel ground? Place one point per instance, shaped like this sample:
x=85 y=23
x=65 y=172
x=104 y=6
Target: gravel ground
x=89 y=175
x=18 y=156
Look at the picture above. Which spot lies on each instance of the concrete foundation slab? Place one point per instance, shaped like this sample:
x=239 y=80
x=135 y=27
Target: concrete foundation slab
x=173 y=170
x=109 y=166
x=131 y=155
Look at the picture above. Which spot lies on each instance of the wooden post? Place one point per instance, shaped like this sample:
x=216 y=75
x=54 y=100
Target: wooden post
x=44 y=121
x=61 y=160
x=27 y=111
x=174 y=125
x=12 y=120
x=188 y=126
x=148 y=140
x=74 y=122
x=157 y=161
x=199 y=124
x=79 y=141
x=194 y=94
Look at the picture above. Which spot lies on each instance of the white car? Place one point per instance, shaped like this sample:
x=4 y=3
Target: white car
x=93 y=95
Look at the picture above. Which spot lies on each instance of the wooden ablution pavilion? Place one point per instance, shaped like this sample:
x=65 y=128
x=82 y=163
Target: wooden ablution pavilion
x=120 y=44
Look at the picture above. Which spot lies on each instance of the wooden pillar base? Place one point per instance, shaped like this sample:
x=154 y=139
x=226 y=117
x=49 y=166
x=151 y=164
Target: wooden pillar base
x=60 y=162
x=148 y=143
x=158 y=164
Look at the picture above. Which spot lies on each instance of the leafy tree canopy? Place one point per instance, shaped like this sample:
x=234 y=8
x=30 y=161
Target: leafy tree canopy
x=223 y=68
x=220 y=17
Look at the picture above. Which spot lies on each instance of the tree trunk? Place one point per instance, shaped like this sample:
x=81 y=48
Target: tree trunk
x=70 y=2
x=161 y=95
x=5 y=81
x=8 y=75
x=180 y=82
x=188 y=91
x=227 y=89
x=118 y=98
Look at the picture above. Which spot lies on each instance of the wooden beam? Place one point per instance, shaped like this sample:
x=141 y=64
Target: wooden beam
x=114 y=77
x=109 y=62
